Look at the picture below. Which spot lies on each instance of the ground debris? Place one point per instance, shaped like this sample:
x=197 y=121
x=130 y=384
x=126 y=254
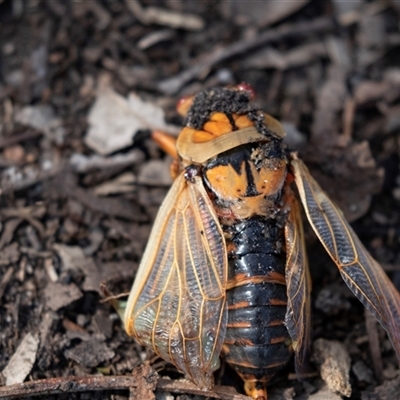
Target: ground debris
x=117 y=207
x=155 y=173
x=90 y=353
x=114 y=121
x=21 y=362
x=81 y=163
x=58 y=295
x=272 y=58
x=334 y=364
x=161 y=16
x=354 y=167
x=73 y=217
x=362 y=372
x=5 y=279
x=333 y=298
x=42 y=118
x=148 y=382
x=10 y=254
x=388 y=391
x=264 y=14
x=121 y=184
x=72 y=257
x=174 y=84
x=324 y=393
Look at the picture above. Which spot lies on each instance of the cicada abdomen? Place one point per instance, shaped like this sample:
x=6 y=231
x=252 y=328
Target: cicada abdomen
x=248 y=194
x=257 y=343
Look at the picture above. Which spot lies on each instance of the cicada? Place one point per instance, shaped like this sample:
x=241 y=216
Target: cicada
x=225 y=270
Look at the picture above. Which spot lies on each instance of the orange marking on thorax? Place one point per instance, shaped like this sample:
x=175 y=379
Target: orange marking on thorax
x=228 y=185
x=226 y=182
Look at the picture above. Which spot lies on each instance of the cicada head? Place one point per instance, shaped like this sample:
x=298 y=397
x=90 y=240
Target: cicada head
x=220 y=119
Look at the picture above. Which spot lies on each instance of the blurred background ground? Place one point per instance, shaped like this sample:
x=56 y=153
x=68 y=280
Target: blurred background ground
x=80 y=186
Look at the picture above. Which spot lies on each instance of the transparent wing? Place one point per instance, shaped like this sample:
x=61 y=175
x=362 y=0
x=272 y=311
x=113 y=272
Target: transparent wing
x=364 y=276
x=298 y=314
x=177 y=302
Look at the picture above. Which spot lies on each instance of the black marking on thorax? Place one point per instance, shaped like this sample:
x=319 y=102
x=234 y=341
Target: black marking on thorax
x=236 y=158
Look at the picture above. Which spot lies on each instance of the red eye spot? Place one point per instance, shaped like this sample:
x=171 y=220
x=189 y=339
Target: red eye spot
x=183 y=105
x=247 y=88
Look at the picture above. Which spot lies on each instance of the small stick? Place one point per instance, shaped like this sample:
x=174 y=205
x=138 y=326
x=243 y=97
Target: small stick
x=373 y=339
x=74 y=384
x=19 y=137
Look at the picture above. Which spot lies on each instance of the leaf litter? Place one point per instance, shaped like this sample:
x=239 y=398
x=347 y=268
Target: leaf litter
x=81 y=182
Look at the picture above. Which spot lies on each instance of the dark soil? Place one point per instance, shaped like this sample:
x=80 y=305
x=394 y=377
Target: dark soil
x=329 y=70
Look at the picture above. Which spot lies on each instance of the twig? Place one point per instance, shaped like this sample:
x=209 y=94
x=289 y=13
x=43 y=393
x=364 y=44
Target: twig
x=161 y=16
x=4 y=281
x=301 y=29
x=373 y=339
x=74 y=384
x=117 y=207
x=37 y=176
x=83 y=164
x=20 y=137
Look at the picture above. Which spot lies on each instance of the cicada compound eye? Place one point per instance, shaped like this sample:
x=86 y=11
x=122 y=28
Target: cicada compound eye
x=191 y=172
x=247 y=88
x=183 y=105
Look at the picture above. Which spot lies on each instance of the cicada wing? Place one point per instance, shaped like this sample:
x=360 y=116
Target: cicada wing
x=298 y=314
x=364 y=276
x=177 y=302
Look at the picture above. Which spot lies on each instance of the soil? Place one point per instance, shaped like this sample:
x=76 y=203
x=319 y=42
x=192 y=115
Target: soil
x=76 y=212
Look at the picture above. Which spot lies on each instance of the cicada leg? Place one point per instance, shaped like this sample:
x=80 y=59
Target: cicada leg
x=167 y=143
